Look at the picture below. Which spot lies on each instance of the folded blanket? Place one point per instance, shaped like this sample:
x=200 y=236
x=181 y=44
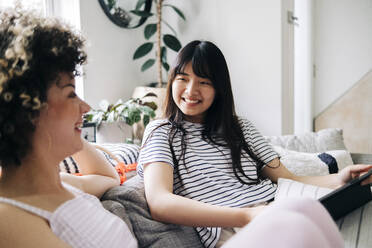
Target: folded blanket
x=136 y=214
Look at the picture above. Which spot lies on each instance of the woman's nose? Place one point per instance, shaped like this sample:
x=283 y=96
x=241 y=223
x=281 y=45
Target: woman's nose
x=192 y=88
x=84 y=107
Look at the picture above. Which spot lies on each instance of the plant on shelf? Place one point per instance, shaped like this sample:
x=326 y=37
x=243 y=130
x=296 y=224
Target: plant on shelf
x=170 y=40
x=131 y=112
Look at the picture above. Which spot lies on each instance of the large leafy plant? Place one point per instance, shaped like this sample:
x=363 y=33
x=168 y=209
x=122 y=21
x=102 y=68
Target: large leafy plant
x=170 y=41
x=132 y=111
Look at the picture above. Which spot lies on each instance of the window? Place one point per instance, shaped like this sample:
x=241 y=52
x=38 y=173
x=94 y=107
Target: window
x=35 y=4
x=68 y=10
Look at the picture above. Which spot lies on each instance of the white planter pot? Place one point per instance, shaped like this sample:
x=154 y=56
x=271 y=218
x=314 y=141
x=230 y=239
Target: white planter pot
x=115 y=132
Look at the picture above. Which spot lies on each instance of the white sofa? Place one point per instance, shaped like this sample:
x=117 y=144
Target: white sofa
x=128 y=201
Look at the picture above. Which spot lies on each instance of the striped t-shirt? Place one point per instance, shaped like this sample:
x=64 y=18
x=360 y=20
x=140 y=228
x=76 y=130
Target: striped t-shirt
x=206 y=170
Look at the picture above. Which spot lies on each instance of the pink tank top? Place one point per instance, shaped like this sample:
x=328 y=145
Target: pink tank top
x=82 y=222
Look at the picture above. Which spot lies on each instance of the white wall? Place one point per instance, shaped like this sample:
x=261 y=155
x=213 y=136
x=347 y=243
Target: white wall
x=247 y=31
x=110 y=73
x=343 y=47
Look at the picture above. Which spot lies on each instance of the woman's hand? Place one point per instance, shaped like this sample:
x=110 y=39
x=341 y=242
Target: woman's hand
x=353 y=171
x=253 y=212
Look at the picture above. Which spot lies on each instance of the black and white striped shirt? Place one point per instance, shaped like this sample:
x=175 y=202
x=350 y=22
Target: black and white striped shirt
x=207 y=173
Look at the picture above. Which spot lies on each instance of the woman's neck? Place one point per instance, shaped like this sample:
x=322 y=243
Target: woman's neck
x=194 y=119
x=35 y=175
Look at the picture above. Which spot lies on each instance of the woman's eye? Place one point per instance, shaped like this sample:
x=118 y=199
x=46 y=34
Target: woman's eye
x=72 y=95
x=181 y=79
x=205 y=83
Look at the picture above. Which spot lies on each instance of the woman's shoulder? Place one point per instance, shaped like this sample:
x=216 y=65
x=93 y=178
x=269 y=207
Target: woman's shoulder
x=16 y=224
x=244 y=122
x=159 y=124
x=12 y=217
x=159 y=127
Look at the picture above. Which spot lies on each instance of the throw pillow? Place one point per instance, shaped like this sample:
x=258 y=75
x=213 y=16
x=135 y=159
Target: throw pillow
x=323 y=140
x=355 y=227
x=314 y=164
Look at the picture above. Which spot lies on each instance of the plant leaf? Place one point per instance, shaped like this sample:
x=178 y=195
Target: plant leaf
x=137 y=117
x=104 y=105
x=147 y=64
x=150 y=30
x=166 y=66
x=111 y=4
x=139 y=4
x=88 y=117
x=151 y=105
x=129 y=121
x=150 y=94
x=172 y=42
x=163 y=54
x=178 y=11
x=146 y=120
x=142 y=13
x=143 y=50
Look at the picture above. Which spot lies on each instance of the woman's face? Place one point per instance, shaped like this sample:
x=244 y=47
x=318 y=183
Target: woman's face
x=192 y=94
x=61 y=121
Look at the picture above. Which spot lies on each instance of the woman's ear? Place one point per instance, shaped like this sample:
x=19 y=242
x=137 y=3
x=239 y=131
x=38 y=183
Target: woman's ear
x=42 y=111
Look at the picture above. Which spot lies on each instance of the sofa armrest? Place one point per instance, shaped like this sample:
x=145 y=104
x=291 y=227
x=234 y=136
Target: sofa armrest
x=361 y=158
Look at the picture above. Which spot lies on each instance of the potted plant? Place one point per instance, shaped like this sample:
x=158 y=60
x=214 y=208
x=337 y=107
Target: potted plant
x=170 y=40
x=120 y=122
x=156 y=47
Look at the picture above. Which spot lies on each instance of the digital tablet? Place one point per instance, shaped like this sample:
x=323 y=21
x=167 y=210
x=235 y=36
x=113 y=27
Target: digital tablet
x=347 y=198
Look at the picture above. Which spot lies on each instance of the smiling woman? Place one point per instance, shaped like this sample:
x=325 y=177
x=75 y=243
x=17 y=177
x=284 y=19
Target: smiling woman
x=206 y=167
x=40 y=125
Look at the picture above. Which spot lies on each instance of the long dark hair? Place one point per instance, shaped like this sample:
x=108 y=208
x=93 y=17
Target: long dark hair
x=220 y=120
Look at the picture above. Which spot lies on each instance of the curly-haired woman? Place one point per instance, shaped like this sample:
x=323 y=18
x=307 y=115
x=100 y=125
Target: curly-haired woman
x=40 y=125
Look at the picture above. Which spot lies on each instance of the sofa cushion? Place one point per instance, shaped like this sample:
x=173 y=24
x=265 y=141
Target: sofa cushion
x=314 y=164
x=323 y=140
x=149 y=233
x=355 y=227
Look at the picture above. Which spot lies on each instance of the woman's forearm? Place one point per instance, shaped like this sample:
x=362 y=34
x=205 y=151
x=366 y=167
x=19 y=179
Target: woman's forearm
x=176 y=209
x=91 y=161
x=168 y=207
x=329 y=181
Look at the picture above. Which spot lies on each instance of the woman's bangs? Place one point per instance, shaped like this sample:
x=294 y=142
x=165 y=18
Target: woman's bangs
x=200 y=66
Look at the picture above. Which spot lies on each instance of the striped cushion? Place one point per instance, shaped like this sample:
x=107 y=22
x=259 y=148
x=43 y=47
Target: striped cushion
x=127 y=153
x=355 y=227
x=69 y=165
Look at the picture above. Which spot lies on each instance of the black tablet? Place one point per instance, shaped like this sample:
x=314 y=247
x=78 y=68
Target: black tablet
x=347 y=198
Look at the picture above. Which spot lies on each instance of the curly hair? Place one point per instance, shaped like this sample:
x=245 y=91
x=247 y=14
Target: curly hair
x=33 y=51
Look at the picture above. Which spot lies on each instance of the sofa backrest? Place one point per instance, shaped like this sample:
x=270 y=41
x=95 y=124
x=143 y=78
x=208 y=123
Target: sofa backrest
x=321 y=141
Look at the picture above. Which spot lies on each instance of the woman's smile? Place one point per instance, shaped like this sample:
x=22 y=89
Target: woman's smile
x=192 y=94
